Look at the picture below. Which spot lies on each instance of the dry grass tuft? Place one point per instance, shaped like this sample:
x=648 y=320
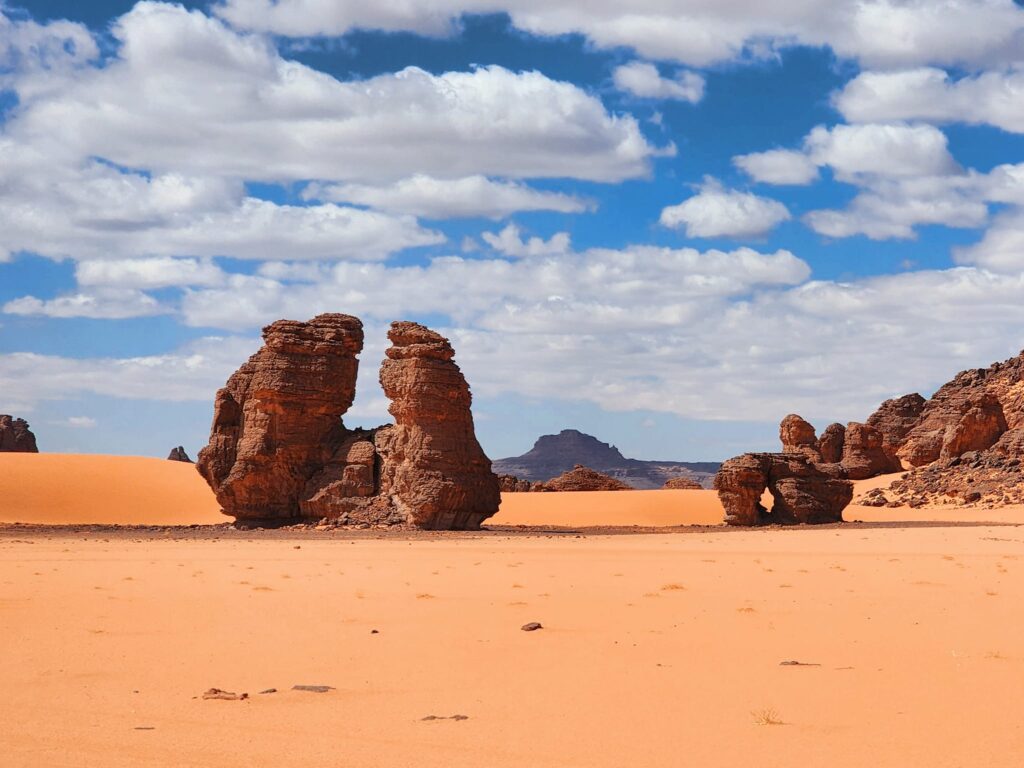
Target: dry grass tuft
x=766 y=716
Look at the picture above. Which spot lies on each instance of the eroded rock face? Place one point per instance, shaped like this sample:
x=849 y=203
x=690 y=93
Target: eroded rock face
x=894 y=419
x=278 y=419
x=830 y=445
x=178 y=454
x=803 y=492
x=863 y=452
x=279 y=452
x=433 y=469
x=682 y=484
x=513 y=484
x=581 y=478
x=952 y=422
x=797 y=436
x=15 y=436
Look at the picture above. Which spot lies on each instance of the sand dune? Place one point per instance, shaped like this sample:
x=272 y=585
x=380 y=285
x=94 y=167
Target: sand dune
x=60 y=489
x=656 y=650
x=57 y=488
x=593 y=508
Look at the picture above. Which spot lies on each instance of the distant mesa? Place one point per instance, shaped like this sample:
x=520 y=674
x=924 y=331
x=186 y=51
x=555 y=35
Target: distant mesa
x=178 y=454
x=964 y=446
x=15 y=436
x=279 y=452
x=554 y=455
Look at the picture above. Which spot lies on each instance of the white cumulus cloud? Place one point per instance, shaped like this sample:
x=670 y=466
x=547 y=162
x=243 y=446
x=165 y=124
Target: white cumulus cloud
x=510 y=242
x=778 y=166
x=718 y=212
x=642 y=79
x=432 y=198
x=884 y=33
x=930 y=94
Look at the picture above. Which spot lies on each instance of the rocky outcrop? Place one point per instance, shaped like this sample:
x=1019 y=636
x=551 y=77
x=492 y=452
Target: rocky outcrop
x=15 y=436
x=894 y=419
x=280 y=453
x=830 y=445
x=552 y=455
x=802 y=491
x=433 y=469
x=682 y=484
x=863 y=453
x=581 y=478
x=513 y=484
x=797 y=436
x=178 y=454
x=952 y=422
x=278 y=419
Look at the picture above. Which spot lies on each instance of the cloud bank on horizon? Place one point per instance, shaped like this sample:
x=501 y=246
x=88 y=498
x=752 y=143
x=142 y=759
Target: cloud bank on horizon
x=703 y=210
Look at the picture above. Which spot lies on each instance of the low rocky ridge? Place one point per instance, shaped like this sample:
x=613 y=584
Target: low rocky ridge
x=579 y=478
x=279 y=452
x=15 y=436
x=682 y=484
x=963 y=446
x=553 y=455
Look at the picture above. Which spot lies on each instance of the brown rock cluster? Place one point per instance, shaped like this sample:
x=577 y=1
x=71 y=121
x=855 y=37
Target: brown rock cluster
x=280 y=453
x=15 y=436
x=802 y=491
x=513 y=484
x=579 y=478
x=964 y=445
x=682 y=484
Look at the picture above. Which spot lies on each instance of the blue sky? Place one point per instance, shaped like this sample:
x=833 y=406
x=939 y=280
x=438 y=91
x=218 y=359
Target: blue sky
x=668 y=228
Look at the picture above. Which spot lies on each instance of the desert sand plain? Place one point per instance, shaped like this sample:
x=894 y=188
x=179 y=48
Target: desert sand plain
x=657 y=648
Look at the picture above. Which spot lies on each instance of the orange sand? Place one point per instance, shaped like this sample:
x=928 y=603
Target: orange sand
x=54 y=489
x=57 y=488
x=657 y=650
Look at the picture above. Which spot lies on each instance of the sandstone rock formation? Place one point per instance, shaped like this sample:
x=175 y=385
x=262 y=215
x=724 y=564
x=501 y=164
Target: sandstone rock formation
x=803 y=492
x=863 y=453
x=279 y=452
x=434 y=470
x=15 y=436
x=682 y=484
x=830 y=445
x=894 y=419
x=797 y=436
x=278 y=420
x=178 y=454
x=513 y=484
x=581 y=478
x=952 y=422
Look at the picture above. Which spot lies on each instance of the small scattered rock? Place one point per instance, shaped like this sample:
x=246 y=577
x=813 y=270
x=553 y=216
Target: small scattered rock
x=532 y=626
x=374 y=631
x=313 y=688
x=792 y=663
x=217 y=693
x=269 y=690
x=442 y=717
